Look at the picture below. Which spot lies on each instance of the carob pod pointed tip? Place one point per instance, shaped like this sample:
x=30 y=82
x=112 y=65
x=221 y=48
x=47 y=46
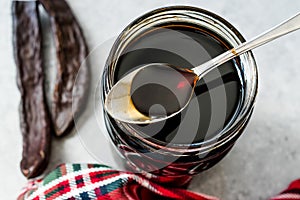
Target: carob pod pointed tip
x=34 y=116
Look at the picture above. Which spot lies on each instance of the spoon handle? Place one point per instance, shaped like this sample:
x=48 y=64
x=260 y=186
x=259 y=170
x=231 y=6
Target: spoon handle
x=285 y=27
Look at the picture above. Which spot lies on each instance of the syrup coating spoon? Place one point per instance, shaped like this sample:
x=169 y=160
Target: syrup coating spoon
x=124 y=101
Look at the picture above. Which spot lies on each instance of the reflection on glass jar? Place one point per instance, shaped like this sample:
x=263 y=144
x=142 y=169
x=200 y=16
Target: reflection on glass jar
x=201 y=135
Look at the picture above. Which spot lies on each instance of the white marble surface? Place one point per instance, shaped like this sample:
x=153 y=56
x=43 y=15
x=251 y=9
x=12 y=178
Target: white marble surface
x=264 y=160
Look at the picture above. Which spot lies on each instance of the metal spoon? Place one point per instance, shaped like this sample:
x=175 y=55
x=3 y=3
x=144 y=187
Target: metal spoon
x=119 y=104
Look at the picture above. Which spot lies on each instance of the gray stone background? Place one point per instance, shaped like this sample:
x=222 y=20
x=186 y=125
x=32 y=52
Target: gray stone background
x=264 y=160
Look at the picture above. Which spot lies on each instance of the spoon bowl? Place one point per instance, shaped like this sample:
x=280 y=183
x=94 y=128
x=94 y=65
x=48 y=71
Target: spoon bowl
x=151 y=93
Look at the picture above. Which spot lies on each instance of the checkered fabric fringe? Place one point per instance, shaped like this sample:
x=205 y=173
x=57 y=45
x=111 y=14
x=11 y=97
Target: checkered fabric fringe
x=94 y=181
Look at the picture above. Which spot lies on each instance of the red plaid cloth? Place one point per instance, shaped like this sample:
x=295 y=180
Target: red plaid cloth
x=93 y=181
x=291 y=193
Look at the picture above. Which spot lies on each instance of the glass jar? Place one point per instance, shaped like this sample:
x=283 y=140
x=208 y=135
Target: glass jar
x=176 y=162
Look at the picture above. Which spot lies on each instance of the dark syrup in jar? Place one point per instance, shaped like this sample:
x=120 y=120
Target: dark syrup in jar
x=216 y=97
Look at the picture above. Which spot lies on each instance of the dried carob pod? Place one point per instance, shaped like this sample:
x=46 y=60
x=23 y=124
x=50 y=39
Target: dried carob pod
x=71 y=52
x=34 y=116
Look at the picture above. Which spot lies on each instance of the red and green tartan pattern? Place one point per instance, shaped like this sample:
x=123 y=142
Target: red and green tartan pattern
x=94 y=181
